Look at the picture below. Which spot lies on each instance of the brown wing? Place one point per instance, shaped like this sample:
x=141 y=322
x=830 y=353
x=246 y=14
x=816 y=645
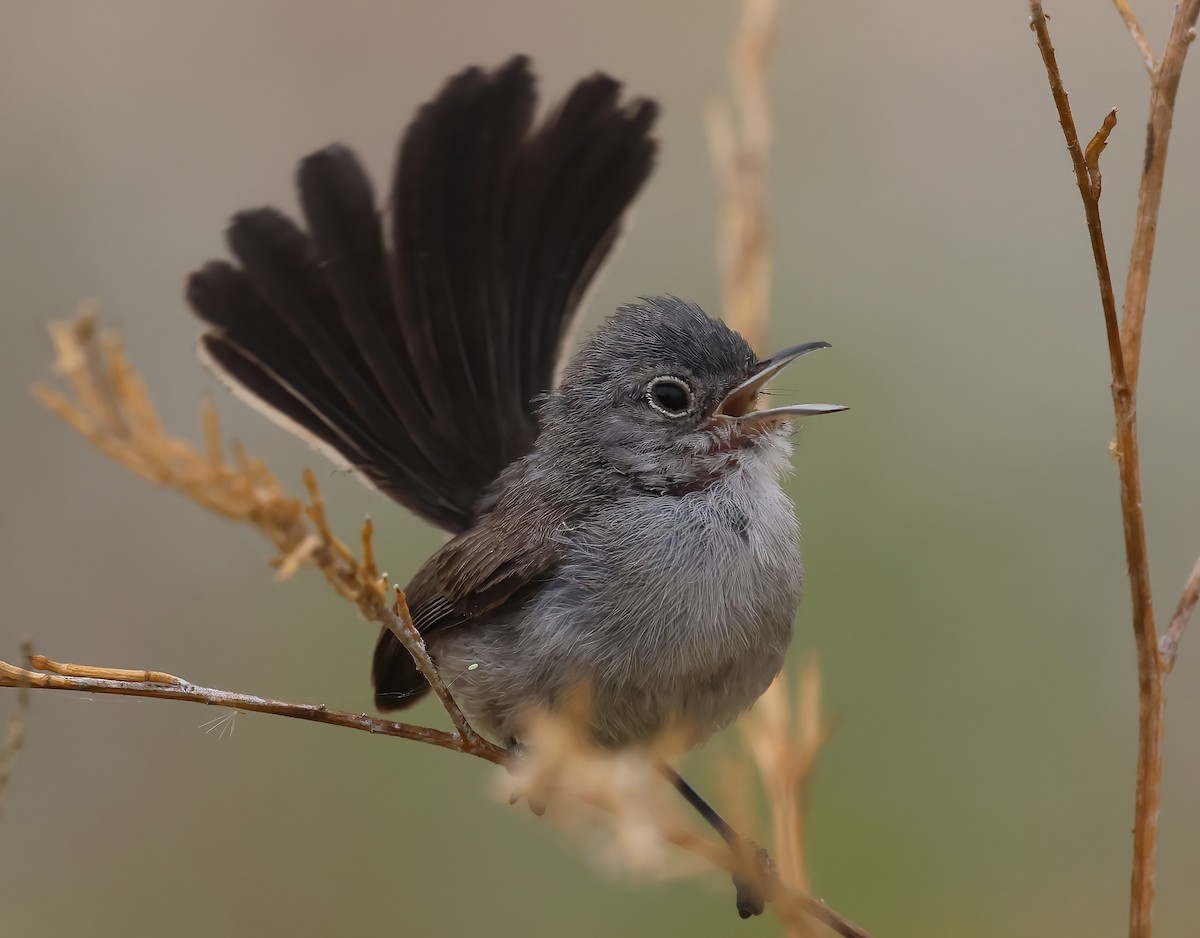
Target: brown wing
x=482 y=572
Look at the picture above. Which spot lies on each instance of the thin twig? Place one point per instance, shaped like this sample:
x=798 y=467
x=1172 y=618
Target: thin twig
x=367 y=591
x=1091 y=201
x=1091 y=155
x=16 y=730
x=1164 y=85
x=88 y=679
x=399 y=621
x=1139 y=37
x=125 y=675
x=1168 y=646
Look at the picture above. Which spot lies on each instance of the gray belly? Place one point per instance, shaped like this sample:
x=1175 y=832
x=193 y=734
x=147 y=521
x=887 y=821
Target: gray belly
x=669 y=613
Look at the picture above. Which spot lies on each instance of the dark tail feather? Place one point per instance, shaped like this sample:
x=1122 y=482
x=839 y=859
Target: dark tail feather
x=417 y=361
x=398 y=683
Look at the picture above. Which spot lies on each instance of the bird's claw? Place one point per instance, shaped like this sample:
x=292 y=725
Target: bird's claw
x=517 y=754
x=753 y=890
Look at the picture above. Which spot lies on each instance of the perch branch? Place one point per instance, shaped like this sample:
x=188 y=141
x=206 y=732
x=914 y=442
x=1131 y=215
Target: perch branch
x=88 y=679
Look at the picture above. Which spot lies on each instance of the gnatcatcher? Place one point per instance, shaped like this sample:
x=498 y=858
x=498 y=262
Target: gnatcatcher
x=622 y=531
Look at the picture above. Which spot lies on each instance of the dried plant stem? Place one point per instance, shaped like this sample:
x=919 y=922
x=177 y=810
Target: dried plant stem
x=785 y=739
x=1124 y=347
x=739 y=135
x=739 y=141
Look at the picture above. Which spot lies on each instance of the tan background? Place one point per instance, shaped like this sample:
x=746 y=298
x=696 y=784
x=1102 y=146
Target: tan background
x=966 y=587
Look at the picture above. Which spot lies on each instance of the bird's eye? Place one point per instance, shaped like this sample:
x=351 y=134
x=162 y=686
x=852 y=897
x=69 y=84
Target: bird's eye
x=670 y=396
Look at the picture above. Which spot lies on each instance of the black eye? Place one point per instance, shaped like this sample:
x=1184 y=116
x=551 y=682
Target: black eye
x=670 y=396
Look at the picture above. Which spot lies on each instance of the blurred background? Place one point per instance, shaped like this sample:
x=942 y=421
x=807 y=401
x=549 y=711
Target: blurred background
x=966 y=591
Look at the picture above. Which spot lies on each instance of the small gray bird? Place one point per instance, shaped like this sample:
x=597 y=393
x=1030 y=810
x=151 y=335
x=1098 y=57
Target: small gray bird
x=623 y=530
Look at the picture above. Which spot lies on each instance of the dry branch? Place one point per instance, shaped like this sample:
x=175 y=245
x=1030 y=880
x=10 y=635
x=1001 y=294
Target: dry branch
x=1124 y=347
x=89 y=679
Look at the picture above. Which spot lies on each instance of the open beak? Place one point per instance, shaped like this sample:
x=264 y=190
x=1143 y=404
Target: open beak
x=740 y=403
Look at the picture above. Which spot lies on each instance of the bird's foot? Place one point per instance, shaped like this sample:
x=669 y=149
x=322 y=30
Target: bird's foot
x=755 y=883
x=517 y=754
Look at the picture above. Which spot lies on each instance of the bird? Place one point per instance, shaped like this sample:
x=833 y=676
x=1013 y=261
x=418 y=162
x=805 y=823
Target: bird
x=616 y=514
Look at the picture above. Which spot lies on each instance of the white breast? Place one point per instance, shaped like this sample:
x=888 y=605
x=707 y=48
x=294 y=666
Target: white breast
x=677 y=609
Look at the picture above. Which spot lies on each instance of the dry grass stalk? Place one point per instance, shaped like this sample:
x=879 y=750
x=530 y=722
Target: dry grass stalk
x=785 y=737
x=739 y=137
x=1155 y=657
